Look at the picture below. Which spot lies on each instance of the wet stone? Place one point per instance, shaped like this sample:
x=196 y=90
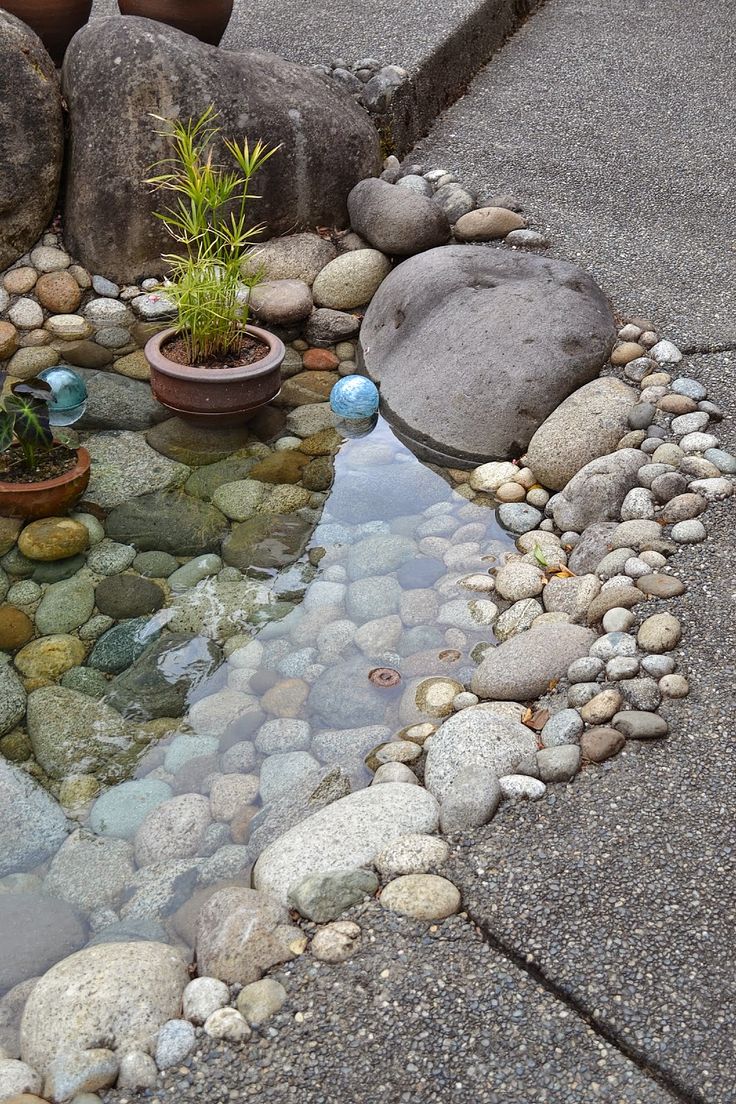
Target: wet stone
x=267 y=541
x=123 y=596
x=164 y=677
x=119 y=647
x=155 y=565
x=168 y=522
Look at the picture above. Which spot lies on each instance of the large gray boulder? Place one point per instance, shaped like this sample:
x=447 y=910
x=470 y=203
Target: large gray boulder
x=122 y=993
x=120 y=70
x=522 y=668
x=596 y=492
x=588 y=424
x=473 y=347
x=32 y=826
x=31 y=138
x=346 y=834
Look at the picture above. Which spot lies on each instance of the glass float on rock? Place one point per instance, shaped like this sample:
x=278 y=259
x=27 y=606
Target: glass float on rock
x=69 y=392
x=355 y=400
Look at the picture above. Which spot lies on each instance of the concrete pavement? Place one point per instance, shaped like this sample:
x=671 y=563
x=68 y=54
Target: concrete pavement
x=614 y=124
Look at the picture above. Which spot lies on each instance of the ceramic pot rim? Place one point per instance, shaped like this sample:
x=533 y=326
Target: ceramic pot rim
x=161 y=363
x=83 y=462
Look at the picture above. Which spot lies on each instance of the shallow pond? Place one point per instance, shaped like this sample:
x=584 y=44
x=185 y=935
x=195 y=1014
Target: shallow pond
x=255 y=694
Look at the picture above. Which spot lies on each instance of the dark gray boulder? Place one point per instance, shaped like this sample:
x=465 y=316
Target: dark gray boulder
x=119 y=70
x=473 y=347
x=31 y=138
x=396 y=220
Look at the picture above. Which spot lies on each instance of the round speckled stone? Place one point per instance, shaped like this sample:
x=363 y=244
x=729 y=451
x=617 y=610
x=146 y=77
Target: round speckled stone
x=422 y=896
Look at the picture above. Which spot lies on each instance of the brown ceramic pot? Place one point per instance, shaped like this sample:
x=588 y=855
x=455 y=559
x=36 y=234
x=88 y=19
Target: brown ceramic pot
x=215 y=395
x=49 y=497
x=54 y=21
x=205 y=19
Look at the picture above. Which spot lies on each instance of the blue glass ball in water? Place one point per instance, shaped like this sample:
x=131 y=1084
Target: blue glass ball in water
x=69 y=395
x=354 y=398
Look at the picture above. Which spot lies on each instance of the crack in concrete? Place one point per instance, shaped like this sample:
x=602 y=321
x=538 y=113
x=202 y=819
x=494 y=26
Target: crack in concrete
x=605 y=1031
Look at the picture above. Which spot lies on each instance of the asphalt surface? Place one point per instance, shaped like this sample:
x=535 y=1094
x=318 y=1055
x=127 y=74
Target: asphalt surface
x=614 y=124
x=416 y=1015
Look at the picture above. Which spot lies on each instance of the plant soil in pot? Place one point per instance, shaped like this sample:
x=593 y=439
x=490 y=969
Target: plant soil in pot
x=211 y=393
x=49 y=497
x=39 y=477
x=54 y=21
x=205 y=19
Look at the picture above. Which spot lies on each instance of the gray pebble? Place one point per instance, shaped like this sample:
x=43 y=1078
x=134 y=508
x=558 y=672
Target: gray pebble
x=584 y=670
x=565 y=727
x=658 y=665
x=621 y=667
x=559 y=764
x=689 y=532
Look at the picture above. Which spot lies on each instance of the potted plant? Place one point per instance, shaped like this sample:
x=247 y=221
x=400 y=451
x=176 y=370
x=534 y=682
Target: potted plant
x=211 y=365
x=205 y=19
x=54 y=21
x=39 y=476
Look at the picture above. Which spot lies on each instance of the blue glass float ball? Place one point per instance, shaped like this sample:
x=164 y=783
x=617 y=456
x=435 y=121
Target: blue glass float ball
x=69 y=395
x=354 y=398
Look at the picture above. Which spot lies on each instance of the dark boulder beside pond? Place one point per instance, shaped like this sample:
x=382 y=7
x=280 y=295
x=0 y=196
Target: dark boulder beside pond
x=473 y=347
x=31 y=138
x=119 y=70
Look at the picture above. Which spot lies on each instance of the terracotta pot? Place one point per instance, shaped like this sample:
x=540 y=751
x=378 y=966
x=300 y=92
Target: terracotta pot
x=205 y=19
x=215 y=395
x=54 y=21
x=49 y=497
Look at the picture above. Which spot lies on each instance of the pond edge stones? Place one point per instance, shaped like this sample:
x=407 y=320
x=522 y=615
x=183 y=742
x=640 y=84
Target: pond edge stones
x=346 y=834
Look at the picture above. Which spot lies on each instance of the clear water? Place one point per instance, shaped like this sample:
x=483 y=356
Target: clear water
x=375 y=581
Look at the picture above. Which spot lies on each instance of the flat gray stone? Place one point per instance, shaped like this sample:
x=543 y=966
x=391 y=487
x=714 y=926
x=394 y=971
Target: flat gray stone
x=588 y=424
x=521 y=668
x=346 y=834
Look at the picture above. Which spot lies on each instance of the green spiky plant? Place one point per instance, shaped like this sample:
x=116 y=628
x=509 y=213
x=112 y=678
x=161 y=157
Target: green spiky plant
x=208 y=218
x=24 y=420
